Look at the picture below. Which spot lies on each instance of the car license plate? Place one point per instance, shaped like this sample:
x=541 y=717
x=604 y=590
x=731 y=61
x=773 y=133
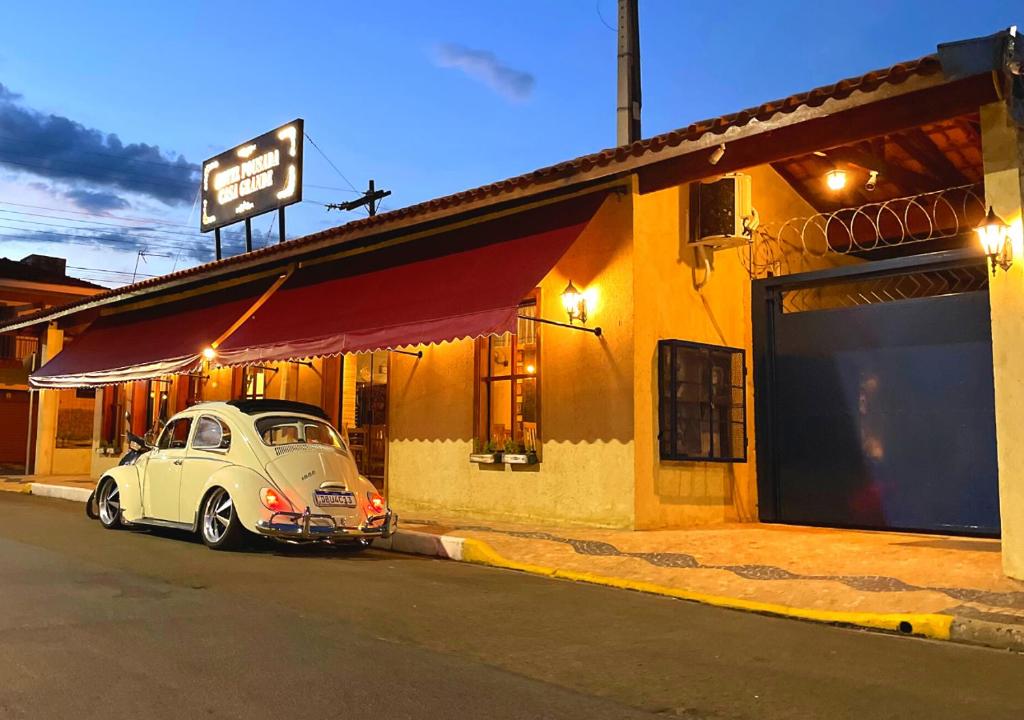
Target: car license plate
x=334 y=498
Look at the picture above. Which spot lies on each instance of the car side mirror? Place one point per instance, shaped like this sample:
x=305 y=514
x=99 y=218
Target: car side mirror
x=137 y=443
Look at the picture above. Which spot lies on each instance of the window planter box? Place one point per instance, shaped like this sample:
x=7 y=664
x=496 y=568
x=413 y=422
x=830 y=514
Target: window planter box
x=485 y=458
x=529 y=458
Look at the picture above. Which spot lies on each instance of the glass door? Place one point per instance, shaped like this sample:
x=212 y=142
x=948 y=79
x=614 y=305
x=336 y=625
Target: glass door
x=364 y=412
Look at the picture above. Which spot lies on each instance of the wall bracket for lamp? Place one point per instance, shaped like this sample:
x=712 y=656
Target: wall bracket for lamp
x=410 y=353
x=265 y=368
x=594 y=330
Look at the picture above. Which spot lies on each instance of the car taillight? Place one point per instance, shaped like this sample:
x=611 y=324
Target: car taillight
x=274 y=500
x=375 y=504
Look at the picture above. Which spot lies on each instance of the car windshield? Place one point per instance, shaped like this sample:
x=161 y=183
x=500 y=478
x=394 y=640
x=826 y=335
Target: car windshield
x=284 y=430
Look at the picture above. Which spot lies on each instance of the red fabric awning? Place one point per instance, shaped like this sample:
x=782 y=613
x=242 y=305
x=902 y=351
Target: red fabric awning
x=461 y=283
x=148 y=343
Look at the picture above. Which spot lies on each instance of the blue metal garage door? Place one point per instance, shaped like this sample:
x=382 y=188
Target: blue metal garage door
x=875 y=399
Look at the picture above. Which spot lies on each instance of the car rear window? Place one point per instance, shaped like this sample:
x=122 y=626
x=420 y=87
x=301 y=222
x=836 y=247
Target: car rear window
x=284 y=430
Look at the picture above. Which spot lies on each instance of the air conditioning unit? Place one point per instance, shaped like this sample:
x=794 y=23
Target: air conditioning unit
x=721 y=212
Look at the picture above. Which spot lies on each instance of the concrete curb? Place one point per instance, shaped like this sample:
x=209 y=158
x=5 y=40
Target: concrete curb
x=974 y=631
x=937 y=626
x=61 y=492
x=417 y=543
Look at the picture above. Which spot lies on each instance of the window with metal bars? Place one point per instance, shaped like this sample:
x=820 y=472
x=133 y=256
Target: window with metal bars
x=702 y=408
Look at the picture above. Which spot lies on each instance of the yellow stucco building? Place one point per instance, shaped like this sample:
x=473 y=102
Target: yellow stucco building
x=762 y=283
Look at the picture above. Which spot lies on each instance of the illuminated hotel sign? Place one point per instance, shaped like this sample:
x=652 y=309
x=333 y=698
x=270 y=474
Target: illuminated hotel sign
x=255 y=177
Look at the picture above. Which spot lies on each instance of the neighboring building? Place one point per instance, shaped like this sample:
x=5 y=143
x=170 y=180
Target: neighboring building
x=835 y=365
x=27 y=286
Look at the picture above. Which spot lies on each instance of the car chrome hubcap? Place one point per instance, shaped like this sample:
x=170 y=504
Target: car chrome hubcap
x=110 y=502
x=217 y=517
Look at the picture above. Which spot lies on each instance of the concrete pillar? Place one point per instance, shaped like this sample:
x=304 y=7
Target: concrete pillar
x=97 y=416
x=1003 y=152
x=47 y=406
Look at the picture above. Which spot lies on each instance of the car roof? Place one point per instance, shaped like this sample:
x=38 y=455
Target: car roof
x=253 y=408
x=262 y=407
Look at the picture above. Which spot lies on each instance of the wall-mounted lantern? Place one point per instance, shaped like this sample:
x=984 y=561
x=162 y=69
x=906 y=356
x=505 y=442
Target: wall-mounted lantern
x=575 y=304
x=835 y=179
x=994 y=234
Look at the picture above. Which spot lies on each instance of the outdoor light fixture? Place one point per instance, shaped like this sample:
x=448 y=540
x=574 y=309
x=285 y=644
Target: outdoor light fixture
x=994 y=234
x=835 y=179
x=209 y=353
x=717 y=154
x=575 y=304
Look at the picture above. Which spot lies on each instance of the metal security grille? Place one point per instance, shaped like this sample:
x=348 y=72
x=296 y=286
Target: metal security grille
x=889 y=288
x=702 y=412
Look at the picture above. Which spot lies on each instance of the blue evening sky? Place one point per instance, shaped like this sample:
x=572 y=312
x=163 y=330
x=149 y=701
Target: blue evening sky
x=428 y=98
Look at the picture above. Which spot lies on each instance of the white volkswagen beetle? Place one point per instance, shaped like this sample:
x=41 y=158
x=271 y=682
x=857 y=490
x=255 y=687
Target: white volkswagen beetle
x=225 y=469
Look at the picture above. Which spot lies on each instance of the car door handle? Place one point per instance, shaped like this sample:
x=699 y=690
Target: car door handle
x=178 y=461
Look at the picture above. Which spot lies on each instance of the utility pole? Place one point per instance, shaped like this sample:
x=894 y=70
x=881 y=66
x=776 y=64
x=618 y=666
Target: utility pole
x=370 y=199
x=628 y=112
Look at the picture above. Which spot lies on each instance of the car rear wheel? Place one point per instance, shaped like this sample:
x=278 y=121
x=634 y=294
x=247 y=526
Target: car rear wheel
x=221 y=529
x=109 y=504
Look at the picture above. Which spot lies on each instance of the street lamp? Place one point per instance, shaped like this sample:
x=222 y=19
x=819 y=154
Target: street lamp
x=575 y=304
x=994 y=234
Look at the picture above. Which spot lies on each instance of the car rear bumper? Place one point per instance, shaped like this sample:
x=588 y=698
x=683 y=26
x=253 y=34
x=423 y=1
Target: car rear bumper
x=307 y=526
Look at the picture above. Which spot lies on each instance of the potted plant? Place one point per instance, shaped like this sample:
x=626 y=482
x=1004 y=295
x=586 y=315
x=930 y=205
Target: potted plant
x=516 y=453
x=485 y=453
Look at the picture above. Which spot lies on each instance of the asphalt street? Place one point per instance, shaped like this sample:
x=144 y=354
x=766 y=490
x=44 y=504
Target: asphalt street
x=133 y=624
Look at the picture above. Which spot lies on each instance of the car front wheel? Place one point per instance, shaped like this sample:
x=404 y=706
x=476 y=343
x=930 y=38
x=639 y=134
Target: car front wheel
x=109 y=504
x=221 y=529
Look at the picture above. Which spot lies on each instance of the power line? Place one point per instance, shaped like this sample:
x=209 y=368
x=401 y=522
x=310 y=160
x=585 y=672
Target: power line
x=600 y=15
x=87 y=240
x=97 y=232
x=324 y=155
x=92 y=222
x=152 y=221
x=104 y=270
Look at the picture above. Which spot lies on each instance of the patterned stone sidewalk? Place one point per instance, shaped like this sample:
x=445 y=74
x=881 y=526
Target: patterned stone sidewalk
x=812 y=568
